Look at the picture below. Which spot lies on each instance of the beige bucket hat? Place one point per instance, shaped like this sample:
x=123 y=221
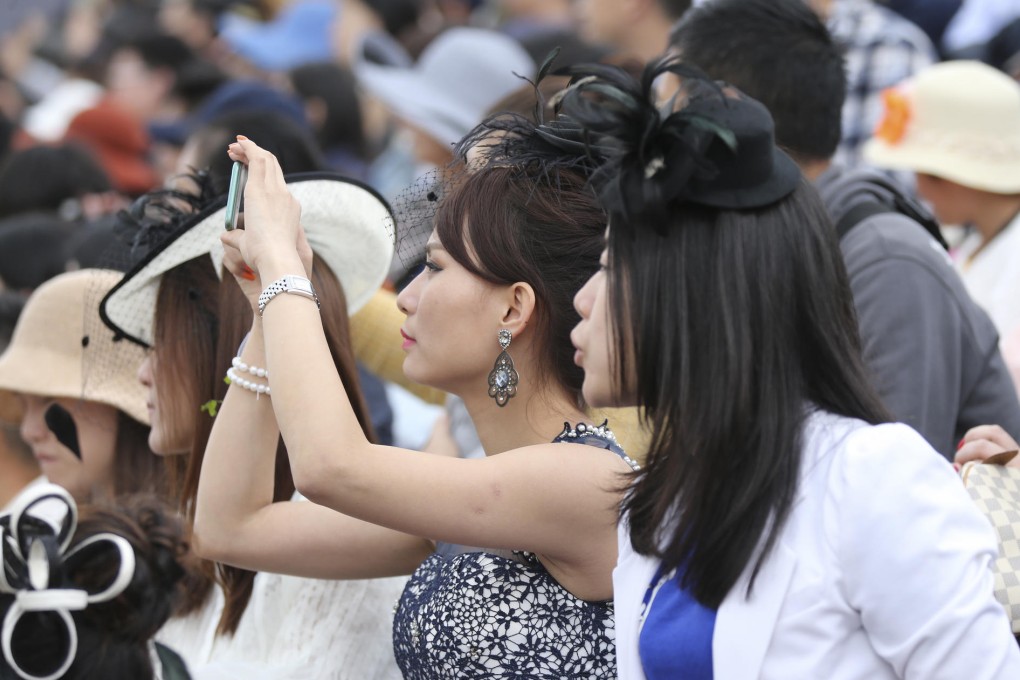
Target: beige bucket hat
x=61 y=349
x=959 y=120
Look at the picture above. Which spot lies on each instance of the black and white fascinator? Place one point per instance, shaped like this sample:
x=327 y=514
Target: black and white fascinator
x=704 y=143
x=37 y=574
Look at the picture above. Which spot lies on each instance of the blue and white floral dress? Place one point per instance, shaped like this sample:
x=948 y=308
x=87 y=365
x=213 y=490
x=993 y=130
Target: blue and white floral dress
x=494 y=614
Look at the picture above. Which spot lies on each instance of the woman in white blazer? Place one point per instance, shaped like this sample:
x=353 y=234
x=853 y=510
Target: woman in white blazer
x=781 y=528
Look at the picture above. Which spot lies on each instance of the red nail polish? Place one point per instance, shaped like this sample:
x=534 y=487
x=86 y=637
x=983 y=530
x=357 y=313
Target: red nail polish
x=248 y=275
x=957 y=467
x=960 y=445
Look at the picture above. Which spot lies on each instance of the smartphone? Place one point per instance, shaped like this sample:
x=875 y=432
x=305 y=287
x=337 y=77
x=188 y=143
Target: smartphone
x=238 y=175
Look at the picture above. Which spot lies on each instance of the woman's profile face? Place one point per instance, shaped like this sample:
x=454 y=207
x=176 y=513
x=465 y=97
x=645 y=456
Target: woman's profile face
x=166 y=437
x=593 y=341
x=453 y=316
x=86 y=473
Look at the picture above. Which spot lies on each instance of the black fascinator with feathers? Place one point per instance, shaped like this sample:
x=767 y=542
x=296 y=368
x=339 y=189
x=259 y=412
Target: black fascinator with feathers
x=705 y=143
x=530 y=143
x=153 y=217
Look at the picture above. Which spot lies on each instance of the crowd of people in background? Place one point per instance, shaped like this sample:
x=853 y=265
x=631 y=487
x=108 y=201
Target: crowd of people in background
x=732 y=288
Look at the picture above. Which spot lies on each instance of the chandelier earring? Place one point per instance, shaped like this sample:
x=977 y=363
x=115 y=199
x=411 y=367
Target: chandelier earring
x=503 y=377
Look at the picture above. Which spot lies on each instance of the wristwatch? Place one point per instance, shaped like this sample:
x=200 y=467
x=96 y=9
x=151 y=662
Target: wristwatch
x=298 y=285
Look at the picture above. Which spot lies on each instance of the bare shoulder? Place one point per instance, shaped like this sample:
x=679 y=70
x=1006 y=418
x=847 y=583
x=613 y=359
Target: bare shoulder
x=562 y=456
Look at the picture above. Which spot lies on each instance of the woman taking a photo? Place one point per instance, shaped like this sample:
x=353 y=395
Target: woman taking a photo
x=255 y=624
x=780 y=528
x=488 y=319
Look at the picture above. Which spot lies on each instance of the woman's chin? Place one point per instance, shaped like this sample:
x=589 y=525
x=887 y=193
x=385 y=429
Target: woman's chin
x=596 y=397
x=162 y=448
x=413 y=371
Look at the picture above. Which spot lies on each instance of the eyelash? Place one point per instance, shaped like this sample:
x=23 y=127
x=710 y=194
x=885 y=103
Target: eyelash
x=432 y=266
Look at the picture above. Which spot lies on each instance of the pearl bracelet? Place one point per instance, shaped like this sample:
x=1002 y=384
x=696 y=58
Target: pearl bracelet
x=257 y=388
x=254 y=370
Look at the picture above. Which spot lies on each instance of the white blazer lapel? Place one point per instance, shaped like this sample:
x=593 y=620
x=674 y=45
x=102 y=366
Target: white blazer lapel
x=743 y=626
x=631 y=577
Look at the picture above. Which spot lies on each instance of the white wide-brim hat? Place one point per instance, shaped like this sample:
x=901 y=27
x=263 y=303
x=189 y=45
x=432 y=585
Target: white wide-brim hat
x=347 y=224
x=60 y=349
x=958 y=120
x=460 y=75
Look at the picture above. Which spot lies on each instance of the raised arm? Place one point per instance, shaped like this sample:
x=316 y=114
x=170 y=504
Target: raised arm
x=237 y=522
x=506 y=500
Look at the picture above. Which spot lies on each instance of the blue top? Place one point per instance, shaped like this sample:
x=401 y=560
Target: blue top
x=676 y=633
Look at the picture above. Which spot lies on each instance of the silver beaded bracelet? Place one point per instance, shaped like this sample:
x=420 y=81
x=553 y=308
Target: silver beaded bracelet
x=291 y=283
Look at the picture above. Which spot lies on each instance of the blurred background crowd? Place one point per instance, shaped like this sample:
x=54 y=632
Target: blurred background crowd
x=105 y=101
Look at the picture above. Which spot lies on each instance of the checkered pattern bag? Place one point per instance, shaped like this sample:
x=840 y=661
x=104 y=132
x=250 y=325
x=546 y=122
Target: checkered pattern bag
x=996 y=490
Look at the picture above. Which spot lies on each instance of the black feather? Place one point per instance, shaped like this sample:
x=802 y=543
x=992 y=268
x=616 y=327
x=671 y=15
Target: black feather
x=154 y=216
x=649 y=153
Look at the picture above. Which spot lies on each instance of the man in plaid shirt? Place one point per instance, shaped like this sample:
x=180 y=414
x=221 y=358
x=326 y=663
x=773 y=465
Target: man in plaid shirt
x=882 y=48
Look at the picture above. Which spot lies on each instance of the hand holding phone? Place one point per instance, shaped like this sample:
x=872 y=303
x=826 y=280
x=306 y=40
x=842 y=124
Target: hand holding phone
x=238 y=176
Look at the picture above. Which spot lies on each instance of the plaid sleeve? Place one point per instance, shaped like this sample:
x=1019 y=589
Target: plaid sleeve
x=882 y=50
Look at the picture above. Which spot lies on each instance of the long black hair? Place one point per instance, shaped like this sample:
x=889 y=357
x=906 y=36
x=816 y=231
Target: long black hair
x=741 y=323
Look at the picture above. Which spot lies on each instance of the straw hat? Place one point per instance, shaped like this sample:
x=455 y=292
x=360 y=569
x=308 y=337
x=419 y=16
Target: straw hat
x=347 y=224
x=959 y=120
x=59 y=349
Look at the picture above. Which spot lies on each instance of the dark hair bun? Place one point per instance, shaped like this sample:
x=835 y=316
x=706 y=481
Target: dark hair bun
x=113 y=635
x=157 y=536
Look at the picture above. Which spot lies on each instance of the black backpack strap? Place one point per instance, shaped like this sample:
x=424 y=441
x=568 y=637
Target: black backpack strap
x=897 y=202
x=858 y=214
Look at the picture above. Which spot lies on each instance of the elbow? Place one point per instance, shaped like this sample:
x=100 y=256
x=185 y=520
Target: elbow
x=206 y=541
x=201 y=543
x=311 y=485
x=316 y=478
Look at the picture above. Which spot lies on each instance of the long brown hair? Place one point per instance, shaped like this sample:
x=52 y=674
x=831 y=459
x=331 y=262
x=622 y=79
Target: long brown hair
x=196 y=369
x=185 y=331
x=136 y=468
